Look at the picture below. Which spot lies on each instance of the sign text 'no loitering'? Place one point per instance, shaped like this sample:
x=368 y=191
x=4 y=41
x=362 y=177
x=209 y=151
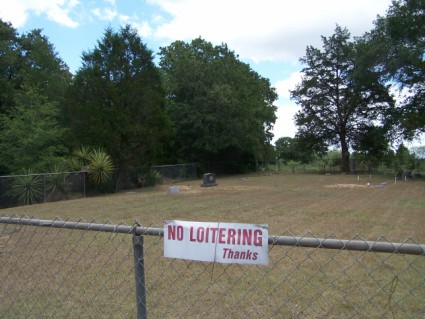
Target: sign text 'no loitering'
x=216 y=242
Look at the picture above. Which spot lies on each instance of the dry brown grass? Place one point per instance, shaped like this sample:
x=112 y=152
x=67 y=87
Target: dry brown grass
x=338 y=204
x=77 y=274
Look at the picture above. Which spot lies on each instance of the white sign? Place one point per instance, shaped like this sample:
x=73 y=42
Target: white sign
x=216 y=242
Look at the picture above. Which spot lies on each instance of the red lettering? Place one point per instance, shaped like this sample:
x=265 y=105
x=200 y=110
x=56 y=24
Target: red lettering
x=222 y=234
x=207 y=234
x=191 y=237
x=258 y=239
x=246 y=236
x=213 y=235
x=231 y=236
x=200 y=234
x=175 y=232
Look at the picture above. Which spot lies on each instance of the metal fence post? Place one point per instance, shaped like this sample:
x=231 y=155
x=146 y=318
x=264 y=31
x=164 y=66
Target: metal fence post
x=139 y=269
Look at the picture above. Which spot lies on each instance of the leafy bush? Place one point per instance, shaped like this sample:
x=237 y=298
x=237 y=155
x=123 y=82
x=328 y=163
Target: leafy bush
x=152 y=178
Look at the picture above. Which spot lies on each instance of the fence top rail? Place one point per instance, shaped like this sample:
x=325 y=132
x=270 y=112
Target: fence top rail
x=310 y=242
x=42 y=174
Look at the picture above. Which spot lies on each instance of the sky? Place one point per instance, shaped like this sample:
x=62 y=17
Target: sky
x=269 y=35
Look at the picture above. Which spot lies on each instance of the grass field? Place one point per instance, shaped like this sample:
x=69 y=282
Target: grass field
x=78 y=274
x=341 y=204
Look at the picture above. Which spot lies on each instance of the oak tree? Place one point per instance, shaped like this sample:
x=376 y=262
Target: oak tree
x=221 y=109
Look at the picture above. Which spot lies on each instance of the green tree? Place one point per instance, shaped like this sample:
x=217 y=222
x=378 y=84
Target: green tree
x=42 y=66
x=295 y=149
x=338 y=94
x=371 y=145
x=31 y=136
x=403 y=161
x=117 y=100
x=285 y=149
x=32 y=79
x=220 y=108
x=396 y=47
x=9 y=55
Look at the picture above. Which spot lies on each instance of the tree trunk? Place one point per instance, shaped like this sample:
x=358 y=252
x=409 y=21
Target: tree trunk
x=345 y=154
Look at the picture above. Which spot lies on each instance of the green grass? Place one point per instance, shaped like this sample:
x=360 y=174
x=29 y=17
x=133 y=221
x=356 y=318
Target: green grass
x=58 y=273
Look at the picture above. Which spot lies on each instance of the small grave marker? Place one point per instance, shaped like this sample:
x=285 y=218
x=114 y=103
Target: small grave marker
x=173 y=189
x=209 y=180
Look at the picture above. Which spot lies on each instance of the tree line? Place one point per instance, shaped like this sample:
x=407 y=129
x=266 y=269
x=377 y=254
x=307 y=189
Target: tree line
x=201 y=103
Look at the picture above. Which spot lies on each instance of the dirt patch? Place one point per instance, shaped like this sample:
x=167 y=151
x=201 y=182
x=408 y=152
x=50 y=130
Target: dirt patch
x=191 y=189
x=348 y=186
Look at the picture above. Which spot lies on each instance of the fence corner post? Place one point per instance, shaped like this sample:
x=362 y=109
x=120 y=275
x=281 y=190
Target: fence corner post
x=139 y=270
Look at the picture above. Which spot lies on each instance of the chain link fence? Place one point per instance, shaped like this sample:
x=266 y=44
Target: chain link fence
x=16 y=190
x=79 y=269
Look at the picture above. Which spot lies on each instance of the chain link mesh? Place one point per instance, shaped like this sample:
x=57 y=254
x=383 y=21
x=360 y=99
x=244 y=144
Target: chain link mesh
x=49 y=272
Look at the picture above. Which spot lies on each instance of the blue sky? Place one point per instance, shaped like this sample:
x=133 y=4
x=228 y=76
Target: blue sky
x=269 y=35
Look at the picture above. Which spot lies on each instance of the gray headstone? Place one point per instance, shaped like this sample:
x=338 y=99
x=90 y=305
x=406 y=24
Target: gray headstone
x=209 y=180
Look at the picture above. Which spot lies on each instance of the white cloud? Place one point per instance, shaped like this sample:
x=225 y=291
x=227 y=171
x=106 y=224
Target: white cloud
x=283 y=86
x=56 y=10
x=14 y=13
x=285 y=126
x=106 y=14
x=269 y=29
x=144 y=29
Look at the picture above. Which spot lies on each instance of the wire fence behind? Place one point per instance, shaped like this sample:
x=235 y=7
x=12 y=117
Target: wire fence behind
x=79 y=269
x=27 y=189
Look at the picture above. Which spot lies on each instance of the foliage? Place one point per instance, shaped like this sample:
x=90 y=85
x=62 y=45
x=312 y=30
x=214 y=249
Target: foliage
x=403 y=160
x=117 y=100
x=296 y=149
x=338 y=95
x=96 y=162
x=152 y=178
x=285 y=149
x=372 y=145
x=397 y=46
x=33 y=81
x=83 y=156
x=27 y=189
x=220 y=108
x=42 y=67
x=56 y=182
x=30 y=135
x=100 y=167
x=9 y=55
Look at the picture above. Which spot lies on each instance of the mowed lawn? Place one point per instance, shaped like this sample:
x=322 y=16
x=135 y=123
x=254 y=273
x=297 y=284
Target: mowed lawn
x=334 y=205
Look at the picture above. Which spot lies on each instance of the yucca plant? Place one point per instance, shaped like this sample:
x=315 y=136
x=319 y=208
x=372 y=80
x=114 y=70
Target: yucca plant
x=57 y=182
x=84 y=153
x=100 y=167
x=27 y=189
x=75 y=164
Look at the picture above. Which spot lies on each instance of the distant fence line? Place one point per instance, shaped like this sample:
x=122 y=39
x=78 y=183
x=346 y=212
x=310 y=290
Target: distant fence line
x=27 y=189
x=73 y=269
